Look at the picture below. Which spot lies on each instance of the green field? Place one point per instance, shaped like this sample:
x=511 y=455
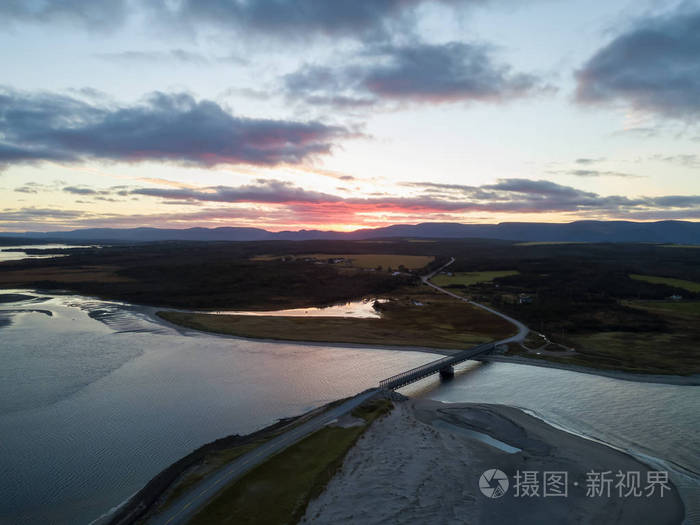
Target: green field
x=469 y=278
x=279 y=490
x=669 y=308
x=668 y=281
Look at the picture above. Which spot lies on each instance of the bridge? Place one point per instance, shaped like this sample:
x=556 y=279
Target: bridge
x=444 y=366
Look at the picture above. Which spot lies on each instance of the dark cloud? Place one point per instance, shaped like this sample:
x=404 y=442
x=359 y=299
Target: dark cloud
x=165 y=127
x=653 y=66
x=282 y=19
x=28 y=214
x=264 y=191
x=92 y=14
x=80 y=190
x=419 y=72
x=285 y=19
x=506 y=195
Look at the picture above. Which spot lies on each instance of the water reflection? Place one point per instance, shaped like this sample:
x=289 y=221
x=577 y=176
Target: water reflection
x=99 y=397
x=362 y=309
x=7 y=255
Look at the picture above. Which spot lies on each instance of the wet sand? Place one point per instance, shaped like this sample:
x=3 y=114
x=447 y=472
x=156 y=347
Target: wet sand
x=422 y=464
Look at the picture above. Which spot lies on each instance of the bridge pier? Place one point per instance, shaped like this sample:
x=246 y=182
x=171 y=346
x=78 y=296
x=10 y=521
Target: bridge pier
x=447 y=372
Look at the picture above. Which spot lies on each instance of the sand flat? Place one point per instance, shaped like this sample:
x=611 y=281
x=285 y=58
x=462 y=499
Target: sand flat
x=407 y=470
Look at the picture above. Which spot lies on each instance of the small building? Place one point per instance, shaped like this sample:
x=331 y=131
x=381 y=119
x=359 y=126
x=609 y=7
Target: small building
x=524 y=299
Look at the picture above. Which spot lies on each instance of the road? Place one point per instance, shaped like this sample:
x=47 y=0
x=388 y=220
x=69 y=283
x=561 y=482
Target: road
x=187 y=505
x=522 y=329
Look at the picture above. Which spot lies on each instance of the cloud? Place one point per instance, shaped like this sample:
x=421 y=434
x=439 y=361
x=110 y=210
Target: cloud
x=265 y=191
x=597 y=173
x=156 y=57
x=164 y=127
x=282 y=204
x=80 y=191
x=506 y=195
x=281 y=19
x=653 y=66
x=688 y=160
x=587 y=161
x=418 y=72
x=93 y=14
x=31 y=214
x=26 y=189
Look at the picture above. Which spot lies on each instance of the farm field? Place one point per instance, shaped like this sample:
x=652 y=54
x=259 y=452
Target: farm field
x=675 y=283
x=469 y=278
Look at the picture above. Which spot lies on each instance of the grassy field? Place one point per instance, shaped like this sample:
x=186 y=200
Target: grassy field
x=674 y=351
x=438 y=321
x=678 y=309
x=651 y=353
x=675 y=283
x=279 y=490
x=469 y=278
x=375 y=260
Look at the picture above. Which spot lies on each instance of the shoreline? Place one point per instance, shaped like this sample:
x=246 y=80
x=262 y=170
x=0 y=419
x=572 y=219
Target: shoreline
x=670 y=379
x=155 y=492
x=152 y=311
x=440 y=478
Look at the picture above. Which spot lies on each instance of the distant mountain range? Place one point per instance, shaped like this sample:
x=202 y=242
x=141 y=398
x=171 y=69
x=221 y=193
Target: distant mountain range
x=682 y=232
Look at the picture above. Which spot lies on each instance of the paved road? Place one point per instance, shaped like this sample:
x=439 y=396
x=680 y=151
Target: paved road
x=197 y=497
x=522 y=329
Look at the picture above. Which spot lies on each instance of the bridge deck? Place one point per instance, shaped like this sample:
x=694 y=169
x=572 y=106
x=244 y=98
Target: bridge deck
x=409 y=376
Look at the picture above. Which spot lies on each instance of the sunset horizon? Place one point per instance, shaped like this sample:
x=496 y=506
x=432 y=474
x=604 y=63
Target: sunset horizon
x=288 y=117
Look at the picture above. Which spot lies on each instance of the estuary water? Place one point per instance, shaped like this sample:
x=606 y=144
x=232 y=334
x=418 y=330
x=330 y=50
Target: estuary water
x=7 y=255
x=96 y=397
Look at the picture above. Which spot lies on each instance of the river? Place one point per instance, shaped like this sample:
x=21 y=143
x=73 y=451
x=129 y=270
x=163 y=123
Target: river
x=96 y=397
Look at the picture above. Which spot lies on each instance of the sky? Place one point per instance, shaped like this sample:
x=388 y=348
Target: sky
x=346 y=114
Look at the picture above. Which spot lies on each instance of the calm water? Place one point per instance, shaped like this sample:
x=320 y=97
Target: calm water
x=96 y=398
x=16 y=256
x=364 y=308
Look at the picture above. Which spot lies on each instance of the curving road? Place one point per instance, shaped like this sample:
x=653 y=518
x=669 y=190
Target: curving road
x=522 y=329
x=187 y=505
